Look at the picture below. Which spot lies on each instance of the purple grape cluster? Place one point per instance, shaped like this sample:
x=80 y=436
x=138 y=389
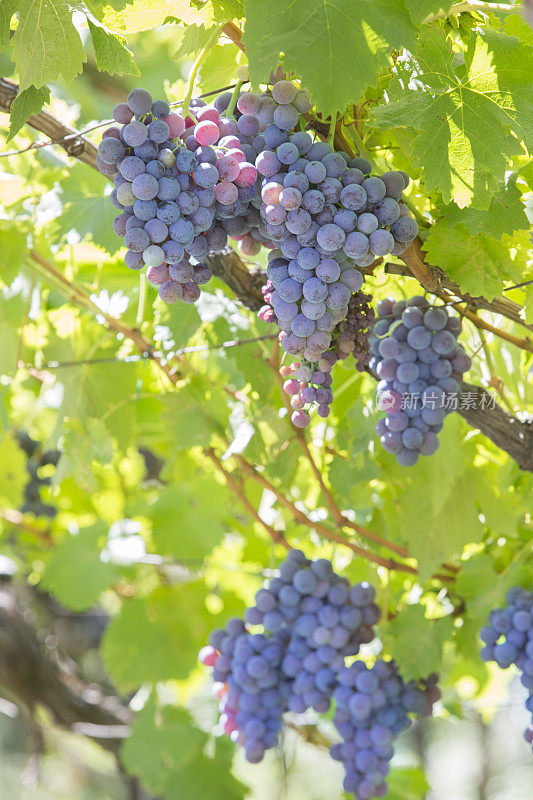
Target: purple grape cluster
x=182 y=186
x=312 y=620
x=420 y=364
x=372 y=708
x=252 y=696
x=328 y=215
x=326 y=619
x=308 y=384
x=508 y=638
x=354 y=332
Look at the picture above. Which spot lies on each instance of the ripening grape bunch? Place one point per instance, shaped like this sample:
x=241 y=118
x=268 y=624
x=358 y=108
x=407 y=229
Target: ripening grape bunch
x=309 y=385
x=39 y=462
x=372 y=708
x=180 y=183
x=246 y=169
x=508 y=639
x=289 y=655
x=419 y=363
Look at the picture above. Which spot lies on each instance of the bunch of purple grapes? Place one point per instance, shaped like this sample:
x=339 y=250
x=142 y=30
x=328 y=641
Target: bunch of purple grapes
x=420 y=364
x=372 y=708
x=326 y=620
x=312 y=620
x=308 y=384
x=508 y=638
x=246 y=169
x=182 y=185
x=246 y=667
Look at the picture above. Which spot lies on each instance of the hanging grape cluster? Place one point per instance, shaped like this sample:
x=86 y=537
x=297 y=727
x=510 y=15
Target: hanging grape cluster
x=246 y=169
x=508 y=638
x=312 y=620
x=36 y=466
x=420 y=364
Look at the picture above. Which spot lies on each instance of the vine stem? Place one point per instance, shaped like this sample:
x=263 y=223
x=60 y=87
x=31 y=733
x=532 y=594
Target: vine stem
x=14 y=517
x=522 y=343
x=324 y=530
x=276 y=536
x=332 y=128
x=142 y=299
x=233 y=101
x=339 y=518
x=196 y=66
x=76 y=295
x=235 y=34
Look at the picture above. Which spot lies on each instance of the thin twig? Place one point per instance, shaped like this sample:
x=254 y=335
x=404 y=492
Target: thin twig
x=76 y=294
x=14 y=517
x=276 y=536
x=339 y=518
x=523 y=343
x=303 y=519
x=134 y=359
x=234 y=33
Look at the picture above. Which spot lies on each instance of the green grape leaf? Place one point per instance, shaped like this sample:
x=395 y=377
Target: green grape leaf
x=219 y=67
x=415 y=643
x=157 y=638
x=163 y=742
x=183 y=322
x=95 y=389
x=203 y=773
x=141 y=16
x=187 y=519
x=83 y=202
x=13 y=251
x=13 y=475
x=517 y=26
x=75 y=574
x=350 y=42
x=112 y=55
x=437 y=505
x=194 y=38
x=479 y=264
x=195 y=413
x=505 y=214
x=29 y=101
x=420 y=10
x=437 y=533
x=7 y=9
x=484 y=589
x=85 y=441
x=227 y=9
x=458 y=107
x=46 y=44
x=406 y=783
